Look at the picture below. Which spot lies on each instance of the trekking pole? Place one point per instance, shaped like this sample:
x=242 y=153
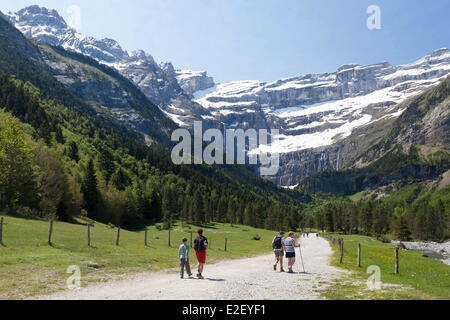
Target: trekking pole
x=301 y=256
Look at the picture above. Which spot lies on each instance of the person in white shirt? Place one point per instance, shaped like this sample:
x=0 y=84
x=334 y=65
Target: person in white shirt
x=290 y=246
x=278 y=246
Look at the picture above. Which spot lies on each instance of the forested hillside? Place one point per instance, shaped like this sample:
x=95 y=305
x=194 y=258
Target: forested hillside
x=400 y=184
x=67 y=149
x=417 y=148
x=62 y=157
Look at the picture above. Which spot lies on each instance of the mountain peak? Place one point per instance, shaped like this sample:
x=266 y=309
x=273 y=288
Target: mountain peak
x=348 y=66
x=439 y=52
x=36 y=15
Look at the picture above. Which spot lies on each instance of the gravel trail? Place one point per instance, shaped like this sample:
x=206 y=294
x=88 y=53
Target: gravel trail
x=247 y=279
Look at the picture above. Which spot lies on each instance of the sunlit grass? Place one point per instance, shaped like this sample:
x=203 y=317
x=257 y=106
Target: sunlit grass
x=30 y=266
x=425 y=278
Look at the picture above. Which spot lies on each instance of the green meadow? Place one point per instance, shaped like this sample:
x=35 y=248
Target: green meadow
x=419 y=278
x=29 y=266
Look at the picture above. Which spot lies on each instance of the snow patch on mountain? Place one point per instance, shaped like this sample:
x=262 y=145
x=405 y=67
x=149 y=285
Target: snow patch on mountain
x=159 y=82
x=317 y=110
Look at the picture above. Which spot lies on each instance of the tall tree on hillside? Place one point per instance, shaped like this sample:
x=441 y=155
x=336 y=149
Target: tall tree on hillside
x=379 y=219
x=59 y=137
x=168 y=200
x=17 y=175
x=120 y=179
x=185 y=210
x=89 y=188
x=155 y=205
x=231 y=212
x=365 y=216
x=107 y=165
x=72 y=151
x=442 y=220
x=400 y=225
x=329 y=221
x=198 y=208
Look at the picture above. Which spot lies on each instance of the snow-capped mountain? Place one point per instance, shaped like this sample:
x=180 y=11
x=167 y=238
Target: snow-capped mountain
x=314 y=112
x=194 y=81
x=159 y=82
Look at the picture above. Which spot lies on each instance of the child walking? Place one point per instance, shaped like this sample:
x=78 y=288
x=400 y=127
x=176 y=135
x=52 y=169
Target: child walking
x=183 y=253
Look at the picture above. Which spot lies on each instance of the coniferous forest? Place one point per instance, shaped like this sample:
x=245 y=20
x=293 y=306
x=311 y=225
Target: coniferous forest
x=60 y=158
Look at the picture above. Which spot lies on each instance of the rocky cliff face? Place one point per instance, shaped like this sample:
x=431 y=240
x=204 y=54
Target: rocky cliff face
x=159 y=82
x=414 y=146
x=315 y=113
x=194 y=81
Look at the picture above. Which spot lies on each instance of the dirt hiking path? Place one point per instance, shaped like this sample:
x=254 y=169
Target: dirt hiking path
x=247 y=279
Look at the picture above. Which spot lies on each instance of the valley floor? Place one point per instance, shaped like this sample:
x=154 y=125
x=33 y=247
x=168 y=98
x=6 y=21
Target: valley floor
x=248 y=279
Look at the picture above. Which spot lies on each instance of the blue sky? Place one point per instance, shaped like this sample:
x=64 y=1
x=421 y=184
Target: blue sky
x=263 y=39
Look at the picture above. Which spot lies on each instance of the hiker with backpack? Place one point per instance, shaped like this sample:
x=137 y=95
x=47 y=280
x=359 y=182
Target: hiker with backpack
x=278 y=249
x=200 y=247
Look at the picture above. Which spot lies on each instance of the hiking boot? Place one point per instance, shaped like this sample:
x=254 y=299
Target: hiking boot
x=181 y=277
x=290 y=270
x=200 y=276
x=275 y=268
x=190 y=276
x=282 y=270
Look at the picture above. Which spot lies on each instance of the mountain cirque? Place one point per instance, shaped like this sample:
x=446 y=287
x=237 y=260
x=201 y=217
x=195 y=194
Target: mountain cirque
x=314 y=112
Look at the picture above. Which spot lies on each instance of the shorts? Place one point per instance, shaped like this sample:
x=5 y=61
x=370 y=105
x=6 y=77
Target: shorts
x=278 y=253
x=290 y=254
x=201 y=256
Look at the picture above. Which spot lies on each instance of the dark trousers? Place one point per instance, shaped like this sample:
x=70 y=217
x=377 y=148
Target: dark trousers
x=185 y=263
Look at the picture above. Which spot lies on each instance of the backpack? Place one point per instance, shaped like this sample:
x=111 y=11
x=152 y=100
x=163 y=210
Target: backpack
x=200 y=243
x=277 y=243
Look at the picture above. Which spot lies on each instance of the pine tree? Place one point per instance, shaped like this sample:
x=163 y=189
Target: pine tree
x=198 y=209
x=59 y=135
x=73 y=151
x=401 y=226
x=329 y=220
x=442 y=220
x=120 y=179
x=90 y=191
x=107 y=165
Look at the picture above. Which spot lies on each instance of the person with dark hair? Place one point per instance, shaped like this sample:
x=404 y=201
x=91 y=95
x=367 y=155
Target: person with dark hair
x=278 y=245
x=200 y=247
x=183 y=254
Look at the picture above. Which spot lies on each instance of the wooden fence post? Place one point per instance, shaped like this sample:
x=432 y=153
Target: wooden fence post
x=1 y=230
x=397 y=271
x=169 y=237
x=210 y=243
x=50 y=233
x=89 y=234
x=146 y=231
x=226 y=242
x=359 y=255
x=341 y=250
x=118 y=236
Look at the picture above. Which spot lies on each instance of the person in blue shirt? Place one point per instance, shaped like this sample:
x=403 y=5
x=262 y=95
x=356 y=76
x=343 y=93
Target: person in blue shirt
x=183 y=254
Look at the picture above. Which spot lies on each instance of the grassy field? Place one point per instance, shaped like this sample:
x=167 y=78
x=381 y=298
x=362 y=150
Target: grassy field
x=29 y=266
x=419 y=278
